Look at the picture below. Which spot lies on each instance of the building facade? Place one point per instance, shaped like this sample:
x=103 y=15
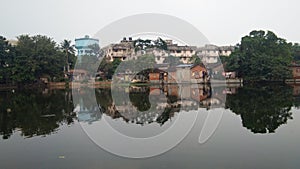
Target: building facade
x=185 y=53
x=83 y=46
x=210 y=53
x=123 y=50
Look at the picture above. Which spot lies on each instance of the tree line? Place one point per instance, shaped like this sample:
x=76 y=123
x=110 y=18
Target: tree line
x=33 y=58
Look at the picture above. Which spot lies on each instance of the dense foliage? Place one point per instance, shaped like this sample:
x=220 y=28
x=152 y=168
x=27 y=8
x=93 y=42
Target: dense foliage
x=141 y=44
x=32 y=58
x=6 y=59
x=261 y=56
x=108 y=68
x=296 y=53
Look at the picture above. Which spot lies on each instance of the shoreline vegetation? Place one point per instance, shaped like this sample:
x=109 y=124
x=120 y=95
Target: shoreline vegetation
x=38 y=61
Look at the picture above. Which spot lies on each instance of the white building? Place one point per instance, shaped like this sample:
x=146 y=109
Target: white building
x=211 y=53
x=185 y=53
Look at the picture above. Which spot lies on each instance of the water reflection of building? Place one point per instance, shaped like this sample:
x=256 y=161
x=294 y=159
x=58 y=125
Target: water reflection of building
x=130 y=114
x=169 y=99
x=149 y=104
x=87 y=112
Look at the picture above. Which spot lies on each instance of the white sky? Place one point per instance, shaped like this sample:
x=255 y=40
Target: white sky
x=223 y=22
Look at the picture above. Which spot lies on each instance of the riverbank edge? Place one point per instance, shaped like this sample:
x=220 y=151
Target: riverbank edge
x=71 y=85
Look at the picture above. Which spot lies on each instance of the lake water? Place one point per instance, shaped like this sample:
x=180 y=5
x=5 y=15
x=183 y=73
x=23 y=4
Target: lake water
x=259 y=127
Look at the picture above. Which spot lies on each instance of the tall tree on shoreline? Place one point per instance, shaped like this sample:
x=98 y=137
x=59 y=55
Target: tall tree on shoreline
x=36 y=57
x=261 y=56
x=68 y=49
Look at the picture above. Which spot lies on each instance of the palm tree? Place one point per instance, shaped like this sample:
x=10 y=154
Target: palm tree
x=67 y=49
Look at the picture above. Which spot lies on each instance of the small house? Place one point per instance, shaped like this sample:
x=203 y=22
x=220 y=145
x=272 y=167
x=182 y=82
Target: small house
x=156 y=76
x=296 y=71
x=198 y=73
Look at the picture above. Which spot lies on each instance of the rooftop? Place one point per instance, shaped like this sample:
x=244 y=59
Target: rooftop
x=86 y=37
x=184 y=65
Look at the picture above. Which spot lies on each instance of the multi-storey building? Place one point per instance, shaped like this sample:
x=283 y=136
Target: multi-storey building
x=84 y=46
x=211 y=53
x=183 y=52
x=123 y=50
x=126 y=50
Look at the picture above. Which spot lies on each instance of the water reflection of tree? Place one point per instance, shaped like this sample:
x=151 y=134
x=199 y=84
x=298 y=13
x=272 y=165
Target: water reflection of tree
x=139 y=98
x=34 y=113
x=262 y=108
x=106 y=103
x=141 y=101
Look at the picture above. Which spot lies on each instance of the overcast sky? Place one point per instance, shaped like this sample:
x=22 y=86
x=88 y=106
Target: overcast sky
x=223 y=22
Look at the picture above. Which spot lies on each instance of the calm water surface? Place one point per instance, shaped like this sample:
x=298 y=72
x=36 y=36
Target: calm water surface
x=259 y=128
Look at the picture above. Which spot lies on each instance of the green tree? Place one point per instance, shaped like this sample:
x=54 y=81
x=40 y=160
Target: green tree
x=296 y=53
x=108 y=67
x=95 y=50
x=261 y=56
x=104 y=67
x=144 y=61
x=141 y=44
x=36 y=56
x=69 y=50
x=195 y=60
x=161 y=44
x=172 y=60
x=6 y=57
x=116 y=63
